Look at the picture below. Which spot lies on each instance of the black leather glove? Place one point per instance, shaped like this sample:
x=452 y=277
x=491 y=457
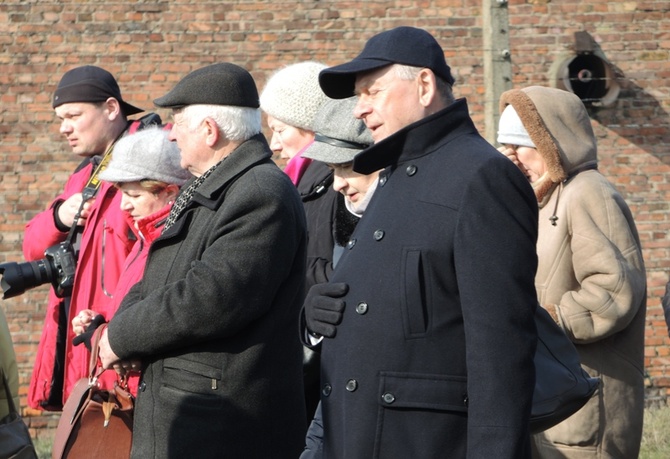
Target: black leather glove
x=88 y=334
x=324 y=308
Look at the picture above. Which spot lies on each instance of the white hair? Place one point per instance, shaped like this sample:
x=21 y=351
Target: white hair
x=407 y=72
x=235 y=123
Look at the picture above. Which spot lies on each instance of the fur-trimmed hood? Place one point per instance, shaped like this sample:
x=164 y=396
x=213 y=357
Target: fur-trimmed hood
x=559 y=126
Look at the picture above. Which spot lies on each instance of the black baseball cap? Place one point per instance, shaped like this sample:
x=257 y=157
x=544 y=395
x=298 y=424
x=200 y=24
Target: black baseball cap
x=402 y=45
x=90 y=84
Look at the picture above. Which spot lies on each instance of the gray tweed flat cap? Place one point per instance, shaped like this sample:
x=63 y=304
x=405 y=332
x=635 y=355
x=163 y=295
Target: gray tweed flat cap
x=146 y=154
x=216 y=84
x=339 y=135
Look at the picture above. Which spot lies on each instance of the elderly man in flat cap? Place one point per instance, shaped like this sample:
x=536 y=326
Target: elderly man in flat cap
x=87 y=220
x=428 y=327
x=215 y=319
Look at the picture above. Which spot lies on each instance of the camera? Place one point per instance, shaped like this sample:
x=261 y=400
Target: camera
x=57 y=266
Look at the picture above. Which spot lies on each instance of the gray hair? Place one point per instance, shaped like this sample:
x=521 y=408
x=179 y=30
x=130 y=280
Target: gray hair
x=407 y=72
x=235 y=123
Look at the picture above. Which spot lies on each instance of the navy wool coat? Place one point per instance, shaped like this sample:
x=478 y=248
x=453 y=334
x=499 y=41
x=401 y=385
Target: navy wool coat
x=215 y=317
x=434 y=355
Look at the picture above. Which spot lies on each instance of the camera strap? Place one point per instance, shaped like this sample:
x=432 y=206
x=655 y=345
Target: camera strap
x=87 y=193
x=93 y=183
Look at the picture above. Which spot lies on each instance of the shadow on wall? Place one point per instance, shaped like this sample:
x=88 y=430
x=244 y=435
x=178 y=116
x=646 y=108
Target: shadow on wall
x=638 y=117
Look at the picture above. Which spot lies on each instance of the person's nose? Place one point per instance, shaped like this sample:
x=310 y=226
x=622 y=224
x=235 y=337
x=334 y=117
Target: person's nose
x=125 y=203
x=339 y=183
x=65 y=127
x=275 y=143
x=172 y=137
x=362 y=108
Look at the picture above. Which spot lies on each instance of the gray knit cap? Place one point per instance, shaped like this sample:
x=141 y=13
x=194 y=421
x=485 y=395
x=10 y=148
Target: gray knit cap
x=146 y=154
x=339 y=135
x=293 y=95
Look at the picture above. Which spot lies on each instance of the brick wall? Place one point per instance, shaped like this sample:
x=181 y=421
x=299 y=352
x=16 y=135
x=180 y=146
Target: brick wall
x=150 y=45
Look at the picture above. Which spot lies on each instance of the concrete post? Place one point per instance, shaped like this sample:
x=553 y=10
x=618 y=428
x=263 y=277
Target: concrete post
x=497 y=61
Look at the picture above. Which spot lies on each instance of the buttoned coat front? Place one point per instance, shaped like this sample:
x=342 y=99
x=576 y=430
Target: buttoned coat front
x=434 y=354
x=215 y=320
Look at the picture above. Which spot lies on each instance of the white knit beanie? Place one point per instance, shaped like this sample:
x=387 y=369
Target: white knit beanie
x=146 y=154
x=293 y=95
x=511 y=130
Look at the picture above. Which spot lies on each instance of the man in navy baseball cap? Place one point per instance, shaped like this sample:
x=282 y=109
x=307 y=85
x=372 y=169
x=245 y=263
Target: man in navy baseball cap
x=416 y=349
x=402 y=45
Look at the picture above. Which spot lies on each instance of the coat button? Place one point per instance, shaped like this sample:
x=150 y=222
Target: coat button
x=326 y=390
x=382 y=180
x=142 y=386
x=379 y=235
x=352 y=385
x=388 y=398
x=362 y=307
x=351 y=244
x=411 y=170
x=465 y=399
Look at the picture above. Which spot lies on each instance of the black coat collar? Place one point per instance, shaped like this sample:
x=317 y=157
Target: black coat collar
x=416 y=139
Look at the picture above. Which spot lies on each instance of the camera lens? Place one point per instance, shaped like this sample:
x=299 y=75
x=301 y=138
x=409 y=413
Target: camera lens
x=19 y=277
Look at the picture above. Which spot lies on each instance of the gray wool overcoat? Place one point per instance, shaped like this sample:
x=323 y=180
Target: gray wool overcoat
x=215 y=320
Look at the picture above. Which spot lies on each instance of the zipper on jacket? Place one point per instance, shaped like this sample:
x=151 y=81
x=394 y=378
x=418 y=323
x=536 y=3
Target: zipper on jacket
x=102 y=267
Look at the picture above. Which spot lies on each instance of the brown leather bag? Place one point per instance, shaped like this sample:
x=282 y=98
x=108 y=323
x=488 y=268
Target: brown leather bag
x=95 y=423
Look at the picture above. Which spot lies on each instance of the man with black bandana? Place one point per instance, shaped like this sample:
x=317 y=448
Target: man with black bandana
x=93 y=115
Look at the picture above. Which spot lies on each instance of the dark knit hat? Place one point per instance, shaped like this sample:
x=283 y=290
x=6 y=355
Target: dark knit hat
x=339 y=135
x=90 y=84
x=216 y=84
x=402 y=45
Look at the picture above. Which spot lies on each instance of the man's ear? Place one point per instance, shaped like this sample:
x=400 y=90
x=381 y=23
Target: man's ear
x=427 y=85
x=113 y=108
x=211 y=131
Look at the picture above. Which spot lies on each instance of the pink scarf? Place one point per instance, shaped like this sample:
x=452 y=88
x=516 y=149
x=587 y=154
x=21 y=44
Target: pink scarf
x=297 y=165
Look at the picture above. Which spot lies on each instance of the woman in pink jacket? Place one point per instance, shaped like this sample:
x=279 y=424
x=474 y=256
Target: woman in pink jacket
x=145 y=168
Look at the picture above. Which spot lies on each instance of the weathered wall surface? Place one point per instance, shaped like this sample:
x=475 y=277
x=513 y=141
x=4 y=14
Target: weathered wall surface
x=150 y=45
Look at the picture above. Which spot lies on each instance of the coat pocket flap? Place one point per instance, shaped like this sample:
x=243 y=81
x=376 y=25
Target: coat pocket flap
x=425 y=391
x=191 y=366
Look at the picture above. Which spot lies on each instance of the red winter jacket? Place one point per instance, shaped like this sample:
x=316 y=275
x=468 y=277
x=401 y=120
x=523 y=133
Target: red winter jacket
x=106 y=242
x=149 y=228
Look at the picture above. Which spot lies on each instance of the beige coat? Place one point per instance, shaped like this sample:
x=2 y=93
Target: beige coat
x=591 y=277
x=8 y=363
